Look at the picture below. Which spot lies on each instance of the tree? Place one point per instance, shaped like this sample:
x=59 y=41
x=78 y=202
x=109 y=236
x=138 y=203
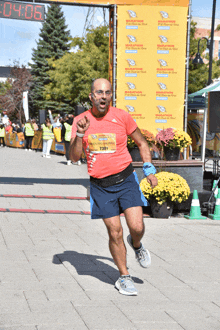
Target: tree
x=198 y=74
x=52 y=44
x=4 y=86
x=73 y=74
x=12 y=101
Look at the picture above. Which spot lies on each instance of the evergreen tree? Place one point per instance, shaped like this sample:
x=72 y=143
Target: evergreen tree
x=52 y=44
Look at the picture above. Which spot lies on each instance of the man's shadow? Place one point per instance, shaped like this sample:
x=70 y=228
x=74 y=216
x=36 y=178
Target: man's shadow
x=88 y=264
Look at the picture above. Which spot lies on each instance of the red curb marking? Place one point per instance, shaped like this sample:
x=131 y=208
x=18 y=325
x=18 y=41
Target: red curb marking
x=58 y=211
x=24 y=196
x=43 y=211
x=44 y=196
x=69 y=197
x=85 y=212
x=26 y=210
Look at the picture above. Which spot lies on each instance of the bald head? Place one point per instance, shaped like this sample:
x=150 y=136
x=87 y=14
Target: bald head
x=99 y=81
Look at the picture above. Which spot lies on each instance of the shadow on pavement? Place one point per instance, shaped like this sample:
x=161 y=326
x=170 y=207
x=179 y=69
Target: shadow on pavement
x=88 y=264
x=31 y=181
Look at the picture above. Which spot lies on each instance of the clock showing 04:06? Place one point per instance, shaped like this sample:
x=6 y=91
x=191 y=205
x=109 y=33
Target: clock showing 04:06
x=21 y=10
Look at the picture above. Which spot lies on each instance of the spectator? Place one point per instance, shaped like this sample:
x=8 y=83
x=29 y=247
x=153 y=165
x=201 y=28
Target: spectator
x=2 y=134
x=8 y=128
x=48 y=137
x=34 y=124
x=28 y=133
x=66 y=136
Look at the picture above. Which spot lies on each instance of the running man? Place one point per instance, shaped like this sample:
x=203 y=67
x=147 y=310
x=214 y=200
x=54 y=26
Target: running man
x=102 y=131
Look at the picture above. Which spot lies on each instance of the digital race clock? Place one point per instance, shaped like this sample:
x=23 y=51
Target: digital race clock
x=21 y=10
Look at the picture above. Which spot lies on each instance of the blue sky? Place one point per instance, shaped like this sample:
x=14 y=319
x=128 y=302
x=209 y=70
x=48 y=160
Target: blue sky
x=17 y=37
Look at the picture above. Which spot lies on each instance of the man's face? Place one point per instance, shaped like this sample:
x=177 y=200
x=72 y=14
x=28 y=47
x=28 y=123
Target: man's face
x=101 y=95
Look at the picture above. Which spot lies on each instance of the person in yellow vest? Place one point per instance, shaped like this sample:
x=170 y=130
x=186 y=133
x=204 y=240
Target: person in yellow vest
x=2 y=135
x=29 y=134
x=66 y=135
x=48 y=137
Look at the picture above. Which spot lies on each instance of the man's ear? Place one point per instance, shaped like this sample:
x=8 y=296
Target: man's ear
x=90 y=96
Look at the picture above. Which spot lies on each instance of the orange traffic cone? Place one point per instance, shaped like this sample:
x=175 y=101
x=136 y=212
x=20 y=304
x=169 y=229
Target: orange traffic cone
x=216 y=215
x=195 y=211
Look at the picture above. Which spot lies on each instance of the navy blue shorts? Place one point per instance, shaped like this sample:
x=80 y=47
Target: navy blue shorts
x=111 y=201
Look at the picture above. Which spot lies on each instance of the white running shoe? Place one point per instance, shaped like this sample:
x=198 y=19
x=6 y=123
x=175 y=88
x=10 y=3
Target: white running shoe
x=125 y=285
x=68 y=162
x=47 y=156
x=142 y=254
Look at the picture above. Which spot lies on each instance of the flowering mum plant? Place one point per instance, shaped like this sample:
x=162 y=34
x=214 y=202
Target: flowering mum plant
x=173 y=138
x=149 y=137
x=171 y=187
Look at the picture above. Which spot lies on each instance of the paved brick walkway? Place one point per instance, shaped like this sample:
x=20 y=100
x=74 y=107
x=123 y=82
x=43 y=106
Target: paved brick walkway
x=57 y=273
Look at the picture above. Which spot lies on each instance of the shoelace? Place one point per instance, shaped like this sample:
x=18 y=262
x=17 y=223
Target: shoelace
x=127 y=281
x=142 y=254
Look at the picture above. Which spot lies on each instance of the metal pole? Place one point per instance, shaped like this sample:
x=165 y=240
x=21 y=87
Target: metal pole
x=209 y=81
x=204 y=134
x=187 y=72
x=114 y=56
x=211 y=43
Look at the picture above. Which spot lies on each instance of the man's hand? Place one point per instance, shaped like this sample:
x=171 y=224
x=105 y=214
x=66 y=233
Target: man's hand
x=152 y=180
x=83 y=124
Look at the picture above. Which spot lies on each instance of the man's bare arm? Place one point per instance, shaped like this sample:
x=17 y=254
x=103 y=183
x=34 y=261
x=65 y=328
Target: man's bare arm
x=144 y=152
x=142 y=145
x=76 y=145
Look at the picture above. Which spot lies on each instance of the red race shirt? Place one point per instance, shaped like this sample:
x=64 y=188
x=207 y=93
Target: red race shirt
x=105 y=142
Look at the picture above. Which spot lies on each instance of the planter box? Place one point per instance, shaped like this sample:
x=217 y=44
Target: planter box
x=190 y=170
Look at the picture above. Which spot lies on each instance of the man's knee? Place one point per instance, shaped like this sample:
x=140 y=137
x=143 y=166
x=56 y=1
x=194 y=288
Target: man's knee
x=116 y=234
x=138 y=227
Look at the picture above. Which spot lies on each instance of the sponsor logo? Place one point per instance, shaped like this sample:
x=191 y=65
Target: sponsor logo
x=162 y=86
x=161 y=108
x=162 y=63
x=130 y=108
x=114 y=120
x=131 y=13
x=164 y=14
x=131 y=38
x=131 y=62
x=163 y=39
x=131 y=86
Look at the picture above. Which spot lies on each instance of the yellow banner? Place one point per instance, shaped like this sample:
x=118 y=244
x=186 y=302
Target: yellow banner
x=151 y=55
x=180 y=3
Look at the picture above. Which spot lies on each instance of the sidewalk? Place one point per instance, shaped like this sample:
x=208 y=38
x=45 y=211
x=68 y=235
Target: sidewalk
x=57 y=272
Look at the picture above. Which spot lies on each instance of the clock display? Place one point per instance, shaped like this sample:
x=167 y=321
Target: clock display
x=20 y=10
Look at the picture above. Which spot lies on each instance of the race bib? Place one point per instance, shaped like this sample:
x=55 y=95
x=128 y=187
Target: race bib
x=102 y=143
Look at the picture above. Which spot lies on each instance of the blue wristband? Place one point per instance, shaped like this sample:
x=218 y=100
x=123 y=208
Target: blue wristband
x=148 y=169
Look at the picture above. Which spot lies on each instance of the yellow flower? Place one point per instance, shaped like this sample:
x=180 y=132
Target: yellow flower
x=170 y=186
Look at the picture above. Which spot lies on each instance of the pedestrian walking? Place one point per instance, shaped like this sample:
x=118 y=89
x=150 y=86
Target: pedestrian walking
x=48 y=137
x=114 y=188
x=29 y=134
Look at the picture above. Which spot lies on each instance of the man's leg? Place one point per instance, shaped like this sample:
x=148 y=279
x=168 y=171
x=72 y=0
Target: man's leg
x=134 y=218
x=116 y=243
x=124 y=284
